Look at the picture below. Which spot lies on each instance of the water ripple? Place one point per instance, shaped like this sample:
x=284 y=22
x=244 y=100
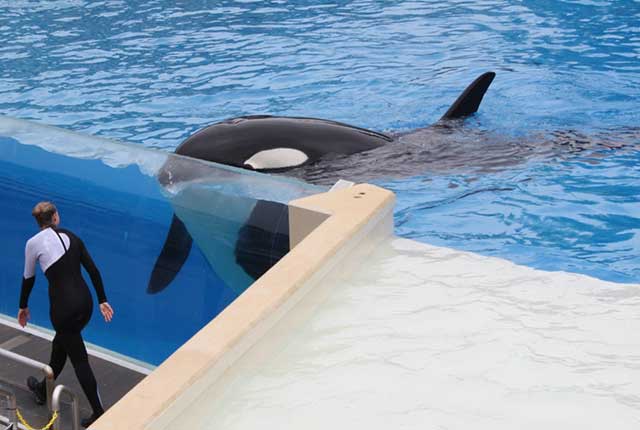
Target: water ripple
x=154 y=72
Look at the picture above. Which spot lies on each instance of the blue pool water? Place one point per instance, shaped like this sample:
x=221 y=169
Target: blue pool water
x=154 y=72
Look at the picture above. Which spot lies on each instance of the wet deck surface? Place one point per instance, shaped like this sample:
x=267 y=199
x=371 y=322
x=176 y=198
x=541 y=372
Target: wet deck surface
x=114 y=381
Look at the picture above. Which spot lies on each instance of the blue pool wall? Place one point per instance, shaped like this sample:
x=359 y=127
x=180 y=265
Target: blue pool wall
x=122 y=214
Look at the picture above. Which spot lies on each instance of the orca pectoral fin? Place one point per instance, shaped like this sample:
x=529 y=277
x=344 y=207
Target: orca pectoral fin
x=469 y=101
x=264 y=238
x=172 y=257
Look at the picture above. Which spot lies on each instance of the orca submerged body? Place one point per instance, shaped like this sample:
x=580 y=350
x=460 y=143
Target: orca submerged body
x=277 y=144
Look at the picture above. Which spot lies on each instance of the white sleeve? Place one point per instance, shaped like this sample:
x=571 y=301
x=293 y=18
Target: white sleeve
x=30 y=258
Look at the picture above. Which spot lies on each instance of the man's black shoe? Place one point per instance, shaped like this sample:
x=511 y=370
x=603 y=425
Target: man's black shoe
x=86 y=422
x=38 y=389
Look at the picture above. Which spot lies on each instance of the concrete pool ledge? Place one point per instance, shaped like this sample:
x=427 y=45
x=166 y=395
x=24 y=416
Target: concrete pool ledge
x=328 y=230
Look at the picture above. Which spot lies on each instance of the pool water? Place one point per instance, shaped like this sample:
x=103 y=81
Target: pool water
x=568 y=79
x=577 y=216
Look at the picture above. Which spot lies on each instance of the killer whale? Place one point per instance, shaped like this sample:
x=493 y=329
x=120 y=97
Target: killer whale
x=276 y=144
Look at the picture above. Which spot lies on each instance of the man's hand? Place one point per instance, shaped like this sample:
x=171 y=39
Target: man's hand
x=107 y=311
x=23 y=316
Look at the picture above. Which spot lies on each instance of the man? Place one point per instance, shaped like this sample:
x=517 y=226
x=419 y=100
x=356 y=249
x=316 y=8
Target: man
x=60 y=254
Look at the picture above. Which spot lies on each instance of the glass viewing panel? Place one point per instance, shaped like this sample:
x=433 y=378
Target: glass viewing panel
x=176 y=239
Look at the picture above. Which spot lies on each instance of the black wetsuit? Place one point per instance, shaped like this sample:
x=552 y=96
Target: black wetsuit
x=70 y=301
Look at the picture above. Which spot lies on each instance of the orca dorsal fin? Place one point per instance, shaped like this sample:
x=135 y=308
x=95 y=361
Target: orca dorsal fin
x=469 y=101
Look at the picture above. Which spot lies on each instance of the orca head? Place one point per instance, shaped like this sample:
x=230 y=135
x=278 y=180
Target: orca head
x=276 y=159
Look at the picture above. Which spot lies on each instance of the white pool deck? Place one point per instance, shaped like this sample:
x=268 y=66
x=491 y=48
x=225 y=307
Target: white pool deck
x=388 y=333
x=419 y=337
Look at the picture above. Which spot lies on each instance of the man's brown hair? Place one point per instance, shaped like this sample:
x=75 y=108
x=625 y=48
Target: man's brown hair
x=43 y=213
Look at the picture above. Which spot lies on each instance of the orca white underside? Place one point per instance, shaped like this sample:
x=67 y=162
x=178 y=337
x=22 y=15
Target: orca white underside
x=277 y=158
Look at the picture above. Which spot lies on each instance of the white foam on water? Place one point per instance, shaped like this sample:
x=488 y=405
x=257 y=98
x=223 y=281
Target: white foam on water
x=422 y=337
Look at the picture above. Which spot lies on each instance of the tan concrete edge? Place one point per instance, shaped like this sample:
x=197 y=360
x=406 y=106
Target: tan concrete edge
x=217 y=345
